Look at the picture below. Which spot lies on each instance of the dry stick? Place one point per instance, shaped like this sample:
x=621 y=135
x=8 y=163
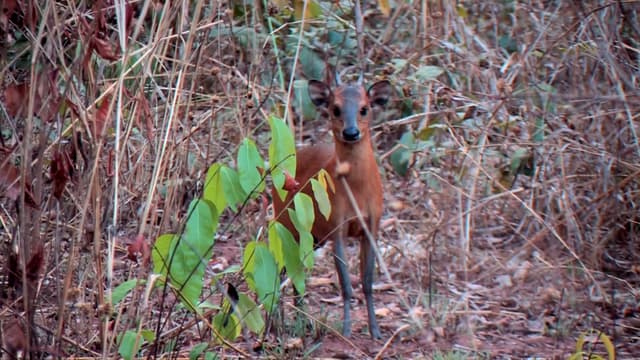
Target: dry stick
x=24 y=237
x=388 y=342
x=293 y=72
x=357 y=14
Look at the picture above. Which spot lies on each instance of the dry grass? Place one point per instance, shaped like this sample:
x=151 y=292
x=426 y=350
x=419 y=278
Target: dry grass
x=486 y=261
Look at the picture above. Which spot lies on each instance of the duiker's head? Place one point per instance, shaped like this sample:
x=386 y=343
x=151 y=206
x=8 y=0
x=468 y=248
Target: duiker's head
x=349 y=107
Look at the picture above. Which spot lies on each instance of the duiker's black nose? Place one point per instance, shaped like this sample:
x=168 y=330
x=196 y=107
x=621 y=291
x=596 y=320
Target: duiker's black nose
x=351 y=134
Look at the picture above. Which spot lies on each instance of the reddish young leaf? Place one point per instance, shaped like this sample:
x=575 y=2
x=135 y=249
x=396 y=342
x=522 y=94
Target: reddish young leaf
x=290 y=183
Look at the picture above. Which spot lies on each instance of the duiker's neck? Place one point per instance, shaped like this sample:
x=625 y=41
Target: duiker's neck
x=358 y=155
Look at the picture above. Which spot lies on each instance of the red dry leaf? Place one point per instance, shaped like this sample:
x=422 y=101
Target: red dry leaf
x=8 y=8
x=104 y=48
x=36 y=263
x=100 y=19
x=14 y=96
x=128 y=17
x=10 y=184
x=46 y=100
x=61 y=170
x=14 y=338
x=139 y=246
x=290 y=183
x=102 y=116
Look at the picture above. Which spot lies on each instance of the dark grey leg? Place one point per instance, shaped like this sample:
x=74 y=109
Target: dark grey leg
x=345 y=281
x=367 y=267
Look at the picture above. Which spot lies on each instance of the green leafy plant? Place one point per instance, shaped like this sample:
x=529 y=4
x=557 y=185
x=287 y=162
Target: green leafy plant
x=180 y=259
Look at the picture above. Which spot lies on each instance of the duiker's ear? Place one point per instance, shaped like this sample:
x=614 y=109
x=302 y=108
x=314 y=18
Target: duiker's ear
x=320 y=93
x=380 y=92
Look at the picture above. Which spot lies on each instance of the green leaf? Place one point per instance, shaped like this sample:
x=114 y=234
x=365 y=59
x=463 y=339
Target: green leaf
x=275 y=244
x=228 y=326
x=313 y=9
x=193 y=251
x=322 y=198
x=306 y=249
x=249 y=161
x=250 y=314
x=282 y=152
x=427 y=73
x=231 y=184
x=304 y=211
x=401 y=157
x=303 y=101
x=399 y=64
x=211 y=356
x=249 y=264
x=120 y=291
x=462 y=11
x=148 y=335
x=538 y=133
x=522 y=162
x=508 y=43
x=312 y=65
x=213 y=189
x=129 y=345
x=197 y=350
x=160 y=253
x=265 y=275
x=293 y=262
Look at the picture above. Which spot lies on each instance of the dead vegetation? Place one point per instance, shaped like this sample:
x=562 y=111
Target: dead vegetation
x=509 y=155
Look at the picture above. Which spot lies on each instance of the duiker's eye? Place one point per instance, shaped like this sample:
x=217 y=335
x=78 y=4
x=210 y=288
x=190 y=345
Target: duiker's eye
x=363 y=111
x=336 y=111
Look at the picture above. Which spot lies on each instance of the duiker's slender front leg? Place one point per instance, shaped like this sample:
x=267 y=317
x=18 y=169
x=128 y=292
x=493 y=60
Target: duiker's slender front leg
x=345 y=281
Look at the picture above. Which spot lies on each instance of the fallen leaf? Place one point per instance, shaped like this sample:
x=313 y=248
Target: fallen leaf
x=294 y=344
x=319 y=281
